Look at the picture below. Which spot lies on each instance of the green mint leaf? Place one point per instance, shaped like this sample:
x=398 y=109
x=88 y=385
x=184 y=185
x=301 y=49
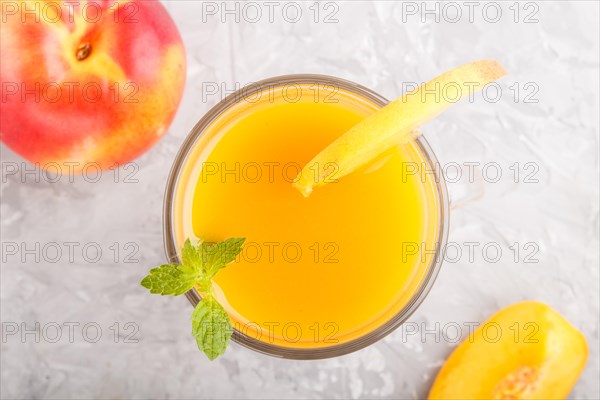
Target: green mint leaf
x=192 y=264
x=190 y=257
x=211 y=326
x=216 y=256
x=168 y=279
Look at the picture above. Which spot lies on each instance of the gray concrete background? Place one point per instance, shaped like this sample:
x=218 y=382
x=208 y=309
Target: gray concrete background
x=552 y=59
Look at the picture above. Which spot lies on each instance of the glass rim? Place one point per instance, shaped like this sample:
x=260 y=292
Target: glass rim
x=432 y=270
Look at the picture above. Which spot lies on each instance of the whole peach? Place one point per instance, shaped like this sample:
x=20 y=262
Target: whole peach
x=87 y=81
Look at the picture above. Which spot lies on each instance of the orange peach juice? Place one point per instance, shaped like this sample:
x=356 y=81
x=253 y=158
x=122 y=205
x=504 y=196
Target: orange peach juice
x=316 y=271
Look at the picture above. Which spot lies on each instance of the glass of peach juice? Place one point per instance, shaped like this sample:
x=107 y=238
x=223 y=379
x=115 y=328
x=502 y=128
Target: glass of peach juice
x=320 y=276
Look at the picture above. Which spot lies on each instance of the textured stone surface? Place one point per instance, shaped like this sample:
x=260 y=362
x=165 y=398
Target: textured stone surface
x=379 y=45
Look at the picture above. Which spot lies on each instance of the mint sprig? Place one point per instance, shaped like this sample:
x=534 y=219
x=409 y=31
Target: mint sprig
x=211 y=325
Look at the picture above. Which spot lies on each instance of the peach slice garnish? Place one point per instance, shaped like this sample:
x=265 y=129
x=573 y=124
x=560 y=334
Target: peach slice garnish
x=395 y=123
